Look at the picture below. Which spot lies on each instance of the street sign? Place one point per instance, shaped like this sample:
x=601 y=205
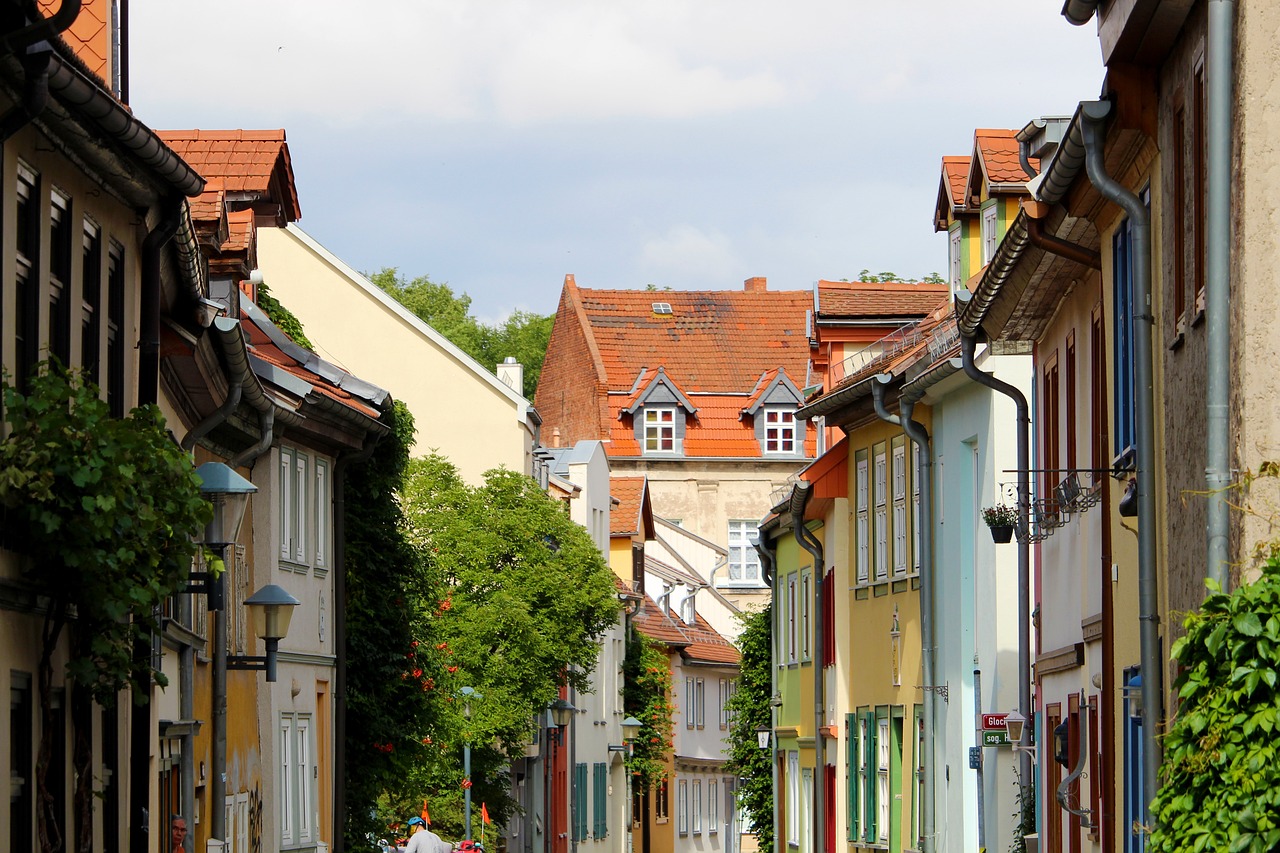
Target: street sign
x=995 y=737
x=975 y=757
x=993 y=721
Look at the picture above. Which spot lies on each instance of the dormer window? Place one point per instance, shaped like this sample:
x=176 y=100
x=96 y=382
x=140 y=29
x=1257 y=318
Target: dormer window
x=659 y=429
x=990 y=232
x=779 y=430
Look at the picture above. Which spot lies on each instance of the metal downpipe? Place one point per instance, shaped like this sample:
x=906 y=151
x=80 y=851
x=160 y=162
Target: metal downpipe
x=1217 y=289
x=1094 y=114
x=809 y=542
x=200 y=430
x=968 y=345
x=928 y=643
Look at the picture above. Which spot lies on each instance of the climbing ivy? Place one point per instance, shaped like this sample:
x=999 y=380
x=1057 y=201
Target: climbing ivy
x=646 y=695
x=750 y=710
x=1221 y=776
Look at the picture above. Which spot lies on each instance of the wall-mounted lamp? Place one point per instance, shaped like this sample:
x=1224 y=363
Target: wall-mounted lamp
x=229 y=493
x=1016 y=725
x=561 y=713
x=1133 y=693
x=762 y=736
x=272 y=608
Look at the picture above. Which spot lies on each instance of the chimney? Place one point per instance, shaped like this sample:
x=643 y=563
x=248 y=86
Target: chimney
x=511 y=372
x=756 y=284
x=555 y=437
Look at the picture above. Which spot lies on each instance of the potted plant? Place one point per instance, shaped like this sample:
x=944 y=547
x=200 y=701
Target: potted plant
x=1002 y=519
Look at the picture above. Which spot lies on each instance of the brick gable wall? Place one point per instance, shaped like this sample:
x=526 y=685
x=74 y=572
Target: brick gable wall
x=571 y=392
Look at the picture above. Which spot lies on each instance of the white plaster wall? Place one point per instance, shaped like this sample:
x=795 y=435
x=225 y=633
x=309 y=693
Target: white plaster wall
x=975 y=451
x=460 y=408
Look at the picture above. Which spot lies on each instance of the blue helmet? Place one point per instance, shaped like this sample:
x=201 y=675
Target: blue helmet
x=417 y=821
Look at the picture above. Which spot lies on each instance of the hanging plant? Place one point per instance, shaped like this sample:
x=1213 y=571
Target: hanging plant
x=1002 y=519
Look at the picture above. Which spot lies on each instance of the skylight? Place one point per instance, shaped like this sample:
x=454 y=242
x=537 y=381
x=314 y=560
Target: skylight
x=662 y=308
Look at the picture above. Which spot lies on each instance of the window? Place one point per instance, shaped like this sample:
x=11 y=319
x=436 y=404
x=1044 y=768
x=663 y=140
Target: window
x=696 y=793
x=690 y=715
x=728 y=687
x=21 y=761
x=806 y=810
x=324 y=509
x=26 y=290
x=60 y=277
x=1097 y=391
x=866 y=774
x=682 y=807
x=990 y=231
x=915 y=508
x=1180 y=221
x=779 y=430
x=899 y=507
x=793 y=798
x=882 y=515
x=1125 y=426
x=305 y=511
x=713 y=805
x=806 y=622
x=580 y=802
x=700 y=701
x=115 y=329
x=91 y=296
x=1070 y=401
x=792 y=644
x=1051 y=402
x=917 y=805
x=744 y=559
x=662 y=802
x=863 y=521
x=852 y=777
x=956 y=261
x=1199 y=165
x=297 y=779
x=599 y=800
x=1052 y=776
x=659 y=430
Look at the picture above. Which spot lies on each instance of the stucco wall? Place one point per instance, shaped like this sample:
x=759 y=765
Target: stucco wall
x=458 y=410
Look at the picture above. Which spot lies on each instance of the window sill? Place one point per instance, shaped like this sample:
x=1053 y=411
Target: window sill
x=1178 y=339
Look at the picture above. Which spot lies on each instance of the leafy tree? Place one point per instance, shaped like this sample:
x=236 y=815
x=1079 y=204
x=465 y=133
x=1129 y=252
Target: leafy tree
x=526 y=596
x=285 y=320
x=869 y=276
x=646 y=695
x=392 y=665
x=523 y=335
x=109 y=511
x=750 y=710
x=1221 y=771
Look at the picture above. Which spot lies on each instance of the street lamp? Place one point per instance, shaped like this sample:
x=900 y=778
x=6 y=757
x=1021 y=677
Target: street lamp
x=1016 y=725
x=630 y=731
x=762 y=736
x=561 y=713
x=467 y=694
x=271 y=608
x=229 y=493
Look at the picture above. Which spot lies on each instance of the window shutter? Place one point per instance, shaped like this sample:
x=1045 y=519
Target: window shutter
x=869 y=777
x=851 y=775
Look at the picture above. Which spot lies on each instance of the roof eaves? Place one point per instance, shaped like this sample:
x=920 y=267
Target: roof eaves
x=836 y=399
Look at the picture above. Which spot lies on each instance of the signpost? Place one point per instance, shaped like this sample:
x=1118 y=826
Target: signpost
x=994 y=731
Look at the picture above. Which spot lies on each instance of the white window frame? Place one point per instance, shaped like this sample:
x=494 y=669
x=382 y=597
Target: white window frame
x=724 y=703
x=682 y=807
x=659 y=429
x=806 y=620
x=700 y=701
x=793 y=798
x=744 y=560
x=880 y=497
x=792 y=644
x=780 y=430
x=990 y=231
x=915 y=508
x=696 y=793
x=713 y=806
x=806 y=807
x=324 y=515
x=690 y=716
x=288 y=817
x=882 y=776
x=298 y=769
x=955 y=257
x=899 y=473
x=861 y=509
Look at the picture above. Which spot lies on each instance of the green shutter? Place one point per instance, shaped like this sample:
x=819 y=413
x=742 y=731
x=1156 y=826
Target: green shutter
x=869 y=778
x=579 y=802
x=851 y=776
x=600 y=811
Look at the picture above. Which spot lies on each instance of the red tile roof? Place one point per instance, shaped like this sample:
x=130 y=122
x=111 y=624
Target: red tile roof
x=955 y=176
x=874 y=300
x=656 y=625
x=995 y=154
x=707 y=646
x=240 y=231
x=711 y=341
x=247 y=161
x=718 y=430
x=626 y=518
x=762 y=385
x=88 y=35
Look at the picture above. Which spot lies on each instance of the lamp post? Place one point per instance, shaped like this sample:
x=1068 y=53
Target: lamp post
x=271 y=607
x=561 y=713
x=467 y=694
x=630 y=731
x=1016 y=725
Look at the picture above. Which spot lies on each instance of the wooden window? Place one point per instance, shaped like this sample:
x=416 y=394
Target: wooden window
x=599 y=800
x=1199 y=165
x=915 y=508
x=115 y=329
x=659 y=430
x=580 y=802
x=91 y=300
x=1050 y=402
x=682 y=807
x=1096 y=770
x=806 y=615
x=779 y=430
x=1052 y=776
x=1074 y=823
x=1097 y=391
x=861 y=510
x=881 y=513
x=695 y=795
x=793 y=646
x=899 y=475
x=713 y=805
x=1180 y=221
x=60 y=277
x=26 y=292
x=1070 y=401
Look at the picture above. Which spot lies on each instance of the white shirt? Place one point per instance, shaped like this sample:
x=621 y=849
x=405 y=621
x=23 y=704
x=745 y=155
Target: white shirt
x=426 y=841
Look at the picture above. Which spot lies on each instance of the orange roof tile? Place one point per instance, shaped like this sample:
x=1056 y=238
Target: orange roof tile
x=762 y=385
x=656 y=625
x=262 y=346
x=861 y=299
x=955 y=175
x=89 y=36
x=712 y=340
x=247 y=161
x=625 y=518
x=707 y=645
x=240 y=232
x=995 y=153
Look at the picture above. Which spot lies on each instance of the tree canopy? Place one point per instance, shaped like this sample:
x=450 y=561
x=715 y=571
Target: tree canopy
x=749 y=709
x=523 y=335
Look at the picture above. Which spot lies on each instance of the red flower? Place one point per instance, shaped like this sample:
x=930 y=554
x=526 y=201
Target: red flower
x=417 y=673
x=453 y=669
x=414 y=644
x=466 y=783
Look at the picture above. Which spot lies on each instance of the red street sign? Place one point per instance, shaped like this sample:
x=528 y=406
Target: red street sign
x=994 y=721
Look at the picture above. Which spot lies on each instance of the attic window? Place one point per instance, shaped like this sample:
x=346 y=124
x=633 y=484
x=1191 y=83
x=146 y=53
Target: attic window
x=662 y=308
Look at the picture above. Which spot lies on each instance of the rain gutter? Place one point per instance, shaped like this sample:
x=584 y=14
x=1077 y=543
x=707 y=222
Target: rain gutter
x=1094 y=120
x=799 y=498
x=1217 y=289
x=1078 y=12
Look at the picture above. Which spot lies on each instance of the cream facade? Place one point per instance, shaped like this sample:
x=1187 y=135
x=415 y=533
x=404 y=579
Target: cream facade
x=462 y=410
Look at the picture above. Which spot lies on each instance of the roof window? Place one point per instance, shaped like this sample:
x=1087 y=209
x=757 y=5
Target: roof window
x=662 y=308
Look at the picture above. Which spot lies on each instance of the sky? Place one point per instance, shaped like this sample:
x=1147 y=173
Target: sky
x=498 y=145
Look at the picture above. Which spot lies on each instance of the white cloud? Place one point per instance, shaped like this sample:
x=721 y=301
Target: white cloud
x=687 y=254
